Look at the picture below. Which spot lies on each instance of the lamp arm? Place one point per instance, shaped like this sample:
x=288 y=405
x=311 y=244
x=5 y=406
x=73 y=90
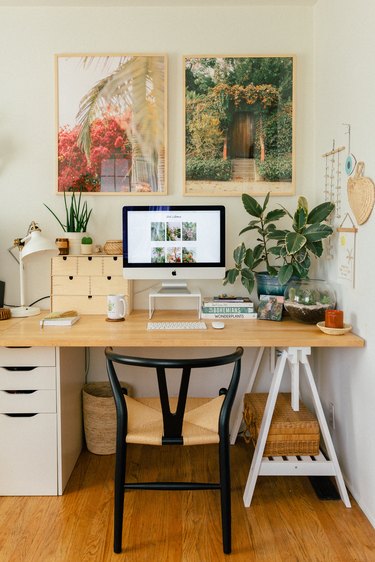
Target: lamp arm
x=22 y=286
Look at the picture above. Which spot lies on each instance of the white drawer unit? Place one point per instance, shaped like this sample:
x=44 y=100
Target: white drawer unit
x=28 y=455
x=83 y=282
x=40 y=418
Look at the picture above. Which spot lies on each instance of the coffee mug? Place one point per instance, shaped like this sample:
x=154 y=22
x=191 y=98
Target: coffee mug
x=116 y=307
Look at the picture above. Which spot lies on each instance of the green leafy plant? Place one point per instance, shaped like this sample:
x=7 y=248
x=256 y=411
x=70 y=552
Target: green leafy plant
x=86 y=240
x=292 y=247
x=77 y=214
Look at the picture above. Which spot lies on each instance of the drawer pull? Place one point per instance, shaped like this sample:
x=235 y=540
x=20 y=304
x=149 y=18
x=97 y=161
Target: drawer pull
x=71 y=277
x=90 y=258
x=115 y=258
x=19 y=368
x=109 y=277
x=18 y=346
x=20 y=415
x=19 y=391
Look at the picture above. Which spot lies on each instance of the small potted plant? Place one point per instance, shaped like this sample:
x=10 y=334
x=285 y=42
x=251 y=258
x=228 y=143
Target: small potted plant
x=279 y=254
x=86 y=245
x=77 y=217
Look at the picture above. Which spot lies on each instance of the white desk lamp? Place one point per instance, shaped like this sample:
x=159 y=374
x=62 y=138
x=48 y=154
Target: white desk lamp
x=33 y=243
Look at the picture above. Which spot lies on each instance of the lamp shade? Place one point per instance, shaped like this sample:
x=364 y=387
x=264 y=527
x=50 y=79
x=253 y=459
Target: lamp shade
x=35 y=243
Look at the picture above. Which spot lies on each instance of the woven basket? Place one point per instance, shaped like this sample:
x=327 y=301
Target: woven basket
x=5 y=313
x=99 y=417
x=113 y=247
x=291 y=433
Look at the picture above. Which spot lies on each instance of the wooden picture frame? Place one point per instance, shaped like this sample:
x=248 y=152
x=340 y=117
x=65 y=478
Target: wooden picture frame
x=111 y=113
x=239 y=125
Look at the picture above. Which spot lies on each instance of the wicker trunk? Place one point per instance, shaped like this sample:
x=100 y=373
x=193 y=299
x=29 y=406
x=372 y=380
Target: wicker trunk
x=291 y=433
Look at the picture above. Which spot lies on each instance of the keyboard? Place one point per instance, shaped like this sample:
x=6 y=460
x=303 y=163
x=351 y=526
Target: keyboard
x=176 y=326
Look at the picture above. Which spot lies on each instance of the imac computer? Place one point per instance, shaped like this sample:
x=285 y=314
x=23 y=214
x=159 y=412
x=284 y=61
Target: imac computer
x=174 y=243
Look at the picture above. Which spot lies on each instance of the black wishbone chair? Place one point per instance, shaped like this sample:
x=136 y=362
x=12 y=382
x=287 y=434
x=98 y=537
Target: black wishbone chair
x=173 y=421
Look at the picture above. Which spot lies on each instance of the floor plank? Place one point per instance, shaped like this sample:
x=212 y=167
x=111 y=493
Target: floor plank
x=285 y=523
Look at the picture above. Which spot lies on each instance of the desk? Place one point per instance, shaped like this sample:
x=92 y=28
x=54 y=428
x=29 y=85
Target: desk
x=296 y=341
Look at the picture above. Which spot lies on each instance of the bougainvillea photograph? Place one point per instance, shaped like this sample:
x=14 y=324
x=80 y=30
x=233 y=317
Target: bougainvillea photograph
x=111 y=124
x=239 y=125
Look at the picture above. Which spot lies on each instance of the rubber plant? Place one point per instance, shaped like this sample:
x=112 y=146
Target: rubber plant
x=284 y=253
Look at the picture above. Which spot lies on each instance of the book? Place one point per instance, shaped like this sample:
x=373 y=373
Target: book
x=62 y=321
x=240 y=303
x=227 y=309
x=228 y=316
x=226 y=298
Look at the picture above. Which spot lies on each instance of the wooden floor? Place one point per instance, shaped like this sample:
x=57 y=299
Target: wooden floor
x=286 y=521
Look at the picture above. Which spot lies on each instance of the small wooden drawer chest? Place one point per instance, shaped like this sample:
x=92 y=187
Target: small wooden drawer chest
x=82 y=283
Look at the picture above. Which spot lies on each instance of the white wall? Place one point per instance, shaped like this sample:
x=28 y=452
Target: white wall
x=29 y=39
x=345 y=93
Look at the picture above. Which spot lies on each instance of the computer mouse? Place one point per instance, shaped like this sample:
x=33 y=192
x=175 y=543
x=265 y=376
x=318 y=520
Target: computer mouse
x=218 y=325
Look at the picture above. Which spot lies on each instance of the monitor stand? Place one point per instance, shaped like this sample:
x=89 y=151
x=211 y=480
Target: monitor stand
x=179 y=290
x=174 y=287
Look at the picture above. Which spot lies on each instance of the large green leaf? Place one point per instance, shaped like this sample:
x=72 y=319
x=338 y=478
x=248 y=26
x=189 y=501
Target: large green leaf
x=300 y=271
x=265 y=202
x=250 y=227
x=230 y=276
x=285 y=273
x=251 y=205
x=317 y=231
x=315 y=248
x=275 y=250
x=249 y=258
x=278 y=234
x=271 y=270
x=294 y=242
x=247 y=279
x=239 y=253
x=258 y=251
x=274 y=215
x=320 y=212
x=300 y=219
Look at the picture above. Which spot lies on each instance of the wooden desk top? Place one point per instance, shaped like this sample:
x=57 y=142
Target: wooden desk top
x=95 y=331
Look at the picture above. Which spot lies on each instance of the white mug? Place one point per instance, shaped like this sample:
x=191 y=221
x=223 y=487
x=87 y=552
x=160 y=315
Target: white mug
x=116 y=307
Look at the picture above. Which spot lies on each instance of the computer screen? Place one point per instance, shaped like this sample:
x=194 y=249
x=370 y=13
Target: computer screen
x=174 y=242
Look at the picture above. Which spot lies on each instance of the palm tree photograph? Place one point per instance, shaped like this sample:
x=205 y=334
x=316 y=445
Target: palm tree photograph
x=111 y=124
x=239 y=125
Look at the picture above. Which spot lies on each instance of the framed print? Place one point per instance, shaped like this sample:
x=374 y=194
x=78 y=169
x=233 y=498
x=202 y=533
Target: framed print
x=239 y=125
x=111 y=124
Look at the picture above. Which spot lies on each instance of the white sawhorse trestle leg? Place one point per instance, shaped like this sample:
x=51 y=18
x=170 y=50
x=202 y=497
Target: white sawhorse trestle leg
x=293 y=466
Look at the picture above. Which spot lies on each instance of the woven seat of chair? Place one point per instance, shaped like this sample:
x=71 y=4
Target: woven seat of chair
x=145 y=422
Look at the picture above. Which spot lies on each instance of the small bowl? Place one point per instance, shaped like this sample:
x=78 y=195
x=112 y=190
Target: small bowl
x=334 y=331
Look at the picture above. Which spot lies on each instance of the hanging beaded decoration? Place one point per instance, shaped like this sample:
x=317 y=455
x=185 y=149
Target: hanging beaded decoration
x=332 y=188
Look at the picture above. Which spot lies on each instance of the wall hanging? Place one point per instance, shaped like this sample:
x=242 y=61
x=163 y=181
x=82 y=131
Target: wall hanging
x=239 y=125
x=332 y=188
x=351 y=160
x=111 y=119
x=361 y=194
x=346 y=250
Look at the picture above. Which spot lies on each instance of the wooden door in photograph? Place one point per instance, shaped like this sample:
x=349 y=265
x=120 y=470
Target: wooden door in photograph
x=242 y=136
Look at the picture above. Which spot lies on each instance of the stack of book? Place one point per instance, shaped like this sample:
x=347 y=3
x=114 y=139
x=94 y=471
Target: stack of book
x=228 y=307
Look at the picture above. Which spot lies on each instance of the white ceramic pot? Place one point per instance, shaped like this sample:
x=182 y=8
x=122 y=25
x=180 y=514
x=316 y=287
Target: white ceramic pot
x=75 y=242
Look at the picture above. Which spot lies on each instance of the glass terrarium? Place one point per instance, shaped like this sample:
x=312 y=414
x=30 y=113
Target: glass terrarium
x=306 y=300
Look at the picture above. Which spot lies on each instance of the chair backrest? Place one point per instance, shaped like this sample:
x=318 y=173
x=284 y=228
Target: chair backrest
x=173 y=421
